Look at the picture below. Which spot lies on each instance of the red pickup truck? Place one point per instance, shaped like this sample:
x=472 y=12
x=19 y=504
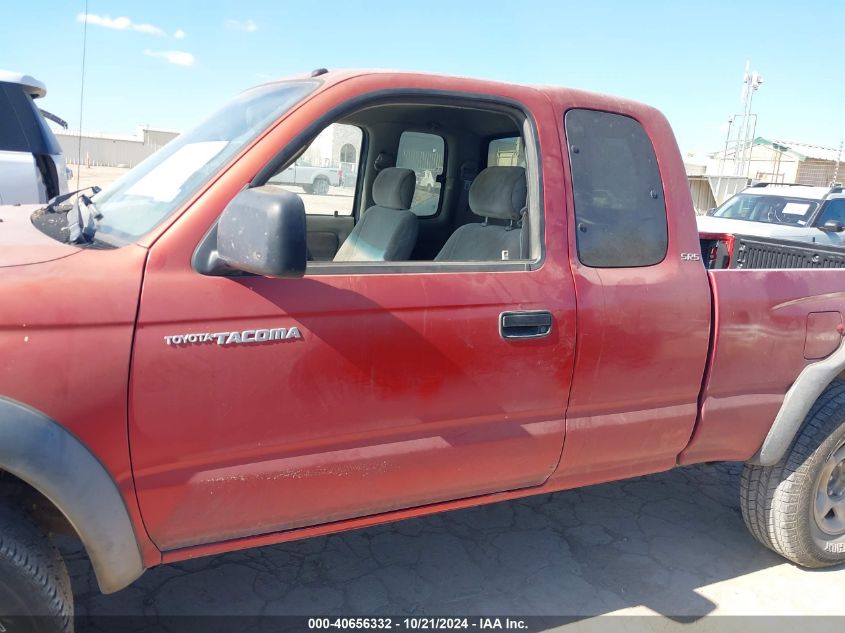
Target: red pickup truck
x=193 y=363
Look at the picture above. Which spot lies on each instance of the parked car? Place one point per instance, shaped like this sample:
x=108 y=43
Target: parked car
x=789 y=212
x=32 y=167
x=219 y=391
x=316 y=180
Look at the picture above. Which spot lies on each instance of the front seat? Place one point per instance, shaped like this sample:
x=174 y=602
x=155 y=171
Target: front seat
x=497 y=193
x=387 y=231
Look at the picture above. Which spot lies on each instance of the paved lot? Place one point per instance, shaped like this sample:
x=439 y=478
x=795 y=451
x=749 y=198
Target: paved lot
x=90 y=176
x=671 y=545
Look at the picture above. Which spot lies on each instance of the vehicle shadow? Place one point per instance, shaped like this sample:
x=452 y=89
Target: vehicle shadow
x=650 y=541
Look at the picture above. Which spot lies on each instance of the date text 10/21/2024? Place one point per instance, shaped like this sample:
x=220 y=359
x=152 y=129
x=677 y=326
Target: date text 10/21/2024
x=418 y=623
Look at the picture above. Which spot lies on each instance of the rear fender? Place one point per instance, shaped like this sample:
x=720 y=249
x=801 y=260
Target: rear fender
x=803 y=393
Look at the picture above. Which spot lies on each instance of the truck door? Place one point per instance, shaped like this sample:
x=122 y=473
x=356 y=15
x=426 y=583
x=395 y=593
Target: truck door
x=643 y=294
x=259 y=404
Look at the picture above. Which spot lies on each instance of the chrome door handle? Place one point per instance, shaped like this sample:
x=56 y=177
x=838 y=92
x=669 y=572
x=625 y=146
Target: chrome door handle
x=525 y=324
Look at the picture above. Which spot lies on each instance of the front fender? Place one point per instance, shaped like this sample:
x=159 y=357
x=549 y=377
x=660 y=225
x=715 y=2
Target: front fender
x=48 y=457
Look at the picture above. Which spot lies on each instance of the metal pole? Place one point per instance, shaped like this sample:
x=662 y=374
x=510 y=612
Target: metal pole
x=739 y=154
x=727 y=140
x=751 y=142
x=836 y=169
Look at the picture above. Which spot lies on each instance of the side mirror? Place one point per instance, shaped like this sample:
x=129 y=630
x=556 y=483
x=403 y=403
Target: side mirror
x=262 y=231
x=833 y=226
x=710 y=211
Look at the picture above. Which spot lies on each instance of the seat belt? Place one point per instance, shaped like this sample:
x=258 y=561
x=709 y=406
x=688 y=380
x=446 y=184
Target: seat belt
x=466 y=174
x=524 y=235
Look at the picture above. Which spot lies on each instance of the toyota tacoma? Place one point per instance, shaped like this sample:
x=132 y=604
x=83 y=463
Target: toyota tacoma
x=192 y=363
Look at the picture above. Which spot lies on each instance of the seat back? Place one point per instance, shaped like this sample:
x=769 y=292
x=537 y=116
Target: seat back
x=386 y=231
x=497 y=193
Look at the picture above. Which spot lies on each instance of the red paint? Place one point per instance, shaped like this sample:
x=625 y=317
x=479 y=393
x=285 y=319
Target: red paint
x=757 y=352
x=401 y=399
x=824 y=334
x=65 y=341
x=642 y=332
x=402 y=392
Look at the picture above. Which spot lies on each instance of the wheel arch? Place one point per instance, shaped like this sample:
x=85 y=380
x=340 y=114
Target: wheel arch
x=811 y=383
x=43 y=454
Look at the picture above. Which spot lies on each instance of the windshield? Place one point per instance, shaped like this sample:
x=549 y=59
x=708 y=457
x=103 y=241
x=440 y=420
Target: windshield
x=771 y=209
x=157 y=187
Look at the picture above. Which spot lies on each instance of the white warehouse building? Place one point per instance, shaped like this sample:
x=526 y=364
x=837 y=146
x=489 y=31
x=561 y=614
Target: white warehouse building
x=113 y=150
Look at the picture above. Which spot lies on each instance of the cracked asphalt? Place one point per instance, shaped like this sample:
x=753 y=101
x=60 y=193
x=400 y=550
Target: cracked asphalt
x=671 y=544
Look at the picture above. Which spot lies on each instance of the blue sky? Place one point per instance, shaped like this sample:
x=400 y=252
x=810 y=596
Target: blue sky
x=168 y=64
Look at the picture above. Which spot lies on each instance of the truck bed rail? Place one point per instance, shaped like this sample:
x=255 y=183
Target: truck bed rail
x=754 y=252
x=759 y=252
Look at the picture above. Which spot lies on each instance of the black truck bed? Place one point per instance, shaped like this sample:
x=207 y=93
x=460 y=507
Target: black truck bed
x=752 y=252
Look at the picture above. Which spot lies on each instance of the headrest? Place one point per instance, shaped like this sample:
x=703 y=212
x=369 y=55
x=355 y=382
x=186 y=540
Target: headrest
x=498 y=192
x=394 y=188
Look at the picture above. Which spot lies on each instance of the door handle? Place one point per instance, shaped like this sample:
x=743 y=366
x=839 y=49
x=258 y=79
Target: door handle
x=526 y=324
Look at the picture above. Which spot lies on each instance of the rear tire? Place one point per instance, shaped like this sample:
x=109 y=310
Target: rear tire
x=320 y=186
x=35 y=589
x=797 y=507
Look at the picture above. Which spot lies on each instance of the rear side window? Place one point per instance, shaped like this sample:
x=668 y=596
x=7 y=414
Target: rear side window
x=12 y=138
x=425 y=154
x=620 y=215
x=508 y=151
x=22 y=129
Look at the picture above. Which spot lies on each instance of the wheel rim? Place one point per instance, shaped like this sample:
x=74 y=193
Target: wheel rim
x=829 y=509
x=321 y=187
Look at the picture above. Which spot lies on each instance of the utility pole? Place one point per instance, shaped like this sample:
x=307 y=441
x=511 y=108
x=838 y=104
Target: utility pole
x=752 y=83
x=742 y=126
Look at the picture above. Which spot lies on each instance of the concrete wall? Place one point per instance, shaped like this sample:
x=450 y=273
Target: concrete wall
x=819 y=173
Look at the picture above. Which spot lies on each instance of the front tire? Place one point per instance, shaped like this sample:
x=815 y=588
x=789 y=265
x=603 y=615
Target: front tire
x=797 y=507
x=35 y=589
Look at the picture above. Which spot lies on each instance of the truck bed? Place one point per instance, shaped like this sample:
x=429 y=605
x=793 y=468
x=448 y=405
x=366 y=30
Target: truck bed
x=754 y=252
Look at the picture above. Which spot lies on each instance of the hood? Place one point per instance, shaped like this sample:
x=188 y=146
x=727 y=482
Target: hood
x=710 y=224
x=22 y=243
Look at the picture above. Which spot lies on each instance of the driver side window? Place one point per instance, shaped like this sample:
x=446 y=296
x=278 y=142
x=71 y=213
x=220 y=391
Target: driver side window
x=325 y=173
x=833 y=211
x=398 y=182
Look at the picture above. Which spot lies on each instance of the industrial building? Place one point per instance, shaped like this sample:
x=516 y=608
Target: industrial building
x=787 y=162
x=713 y=180
x=101 y=150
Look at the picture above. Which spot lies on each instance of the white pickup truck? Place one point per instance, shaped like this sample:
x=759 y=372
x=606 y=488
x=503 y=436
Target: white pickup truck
x=316 y=180
x=32 y=167
x=787 y=212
